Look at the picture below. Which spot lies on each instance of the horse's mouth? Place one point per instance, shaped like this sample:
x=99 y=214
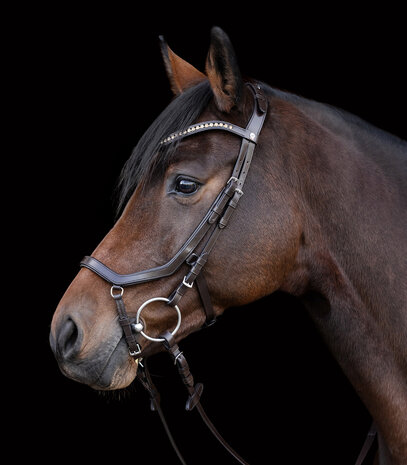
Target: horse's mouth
x=105 y=369
x=116 y=377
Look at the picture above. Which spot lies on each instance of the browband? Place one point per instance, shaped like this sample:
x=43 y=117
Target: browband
x=209 y=126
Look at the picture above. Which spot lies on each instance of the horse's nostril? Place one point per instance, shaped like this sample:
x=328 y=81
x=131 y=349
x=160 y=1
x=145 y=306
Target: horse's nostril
x=68 y=339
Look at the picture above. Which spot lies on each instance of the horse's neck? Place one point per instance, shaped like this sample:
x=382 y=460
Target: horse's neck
x=354 y=183
x=354 y=250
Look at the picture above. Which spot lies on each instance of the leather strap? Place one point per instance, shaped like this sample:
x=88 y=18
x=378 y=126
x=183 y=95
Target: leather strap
x=194 y=391
x=193 y=401
x=371 y=435
x=125 y=323
x=203 y=290
x=179 y=258
x=143 y=375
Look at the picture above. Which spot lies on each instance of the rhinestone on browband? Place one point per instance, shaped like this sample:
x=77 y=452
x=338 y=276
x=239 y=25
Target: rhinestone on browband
x=197 y=127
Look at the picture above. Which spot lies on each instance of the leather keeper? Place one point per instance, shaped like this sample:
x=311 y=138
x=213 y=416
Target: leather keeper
x=232 y=205
x=175 y=297
x=194 y=398
x=125 y=324
x=155 y=399
x=261 y=102
x=200 y=262
x=220 y=205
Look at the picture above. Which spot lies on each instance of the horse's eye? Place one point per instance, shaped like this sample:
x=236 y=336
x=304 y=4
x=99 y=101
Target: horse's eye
x=186 y=186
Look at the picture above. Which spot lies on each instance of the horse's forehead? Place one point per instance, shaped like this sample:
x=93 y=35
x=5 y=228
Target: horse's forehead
x=207 y=146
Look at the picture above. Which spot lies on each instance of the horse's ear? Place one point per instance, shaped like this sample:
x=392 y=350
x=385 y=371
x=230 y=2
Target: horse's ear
x=223 y=71
x=181 y=74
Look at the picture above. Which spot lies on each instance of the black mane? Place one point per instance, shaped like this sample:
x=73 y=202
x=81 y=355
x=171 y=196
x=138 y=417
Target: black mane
x=149 y=156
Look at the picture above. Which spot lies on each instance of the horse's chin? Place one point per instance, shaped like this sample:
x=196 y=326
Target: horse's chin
x=118 y=378
x=105 y=369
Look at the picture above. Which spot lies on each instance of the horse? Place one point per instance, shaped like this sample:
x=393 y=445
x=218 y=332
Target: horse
x=323 y=217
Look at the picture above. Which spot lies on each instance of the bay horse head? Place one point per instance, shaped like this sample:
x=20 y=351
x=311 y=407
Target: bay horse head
x=235 y=191
x=178 y=184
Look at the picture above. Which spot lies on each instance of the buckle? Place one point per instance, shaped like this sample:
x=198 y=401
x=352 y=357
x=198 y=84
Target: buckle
x=119 y=293
x=232 y=178
x=135 y=353
x=186 y=283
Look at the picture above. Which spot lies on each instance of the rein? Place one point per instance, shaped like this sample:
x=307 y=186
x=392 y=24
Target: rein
x=204 y=237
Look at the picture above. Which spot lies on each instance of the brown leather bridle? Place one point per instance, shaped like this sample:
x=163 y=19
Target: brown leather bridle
x=205 y=234
x=195 y=253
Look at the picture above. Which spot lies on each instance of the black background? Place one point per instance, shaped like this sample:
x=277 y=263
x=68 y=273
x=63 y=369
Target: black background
x=86 y=84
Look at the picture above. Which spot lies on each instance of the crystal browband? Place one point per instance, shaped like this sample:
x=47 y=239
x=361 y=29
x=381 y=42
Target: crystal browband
x=210 y=125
